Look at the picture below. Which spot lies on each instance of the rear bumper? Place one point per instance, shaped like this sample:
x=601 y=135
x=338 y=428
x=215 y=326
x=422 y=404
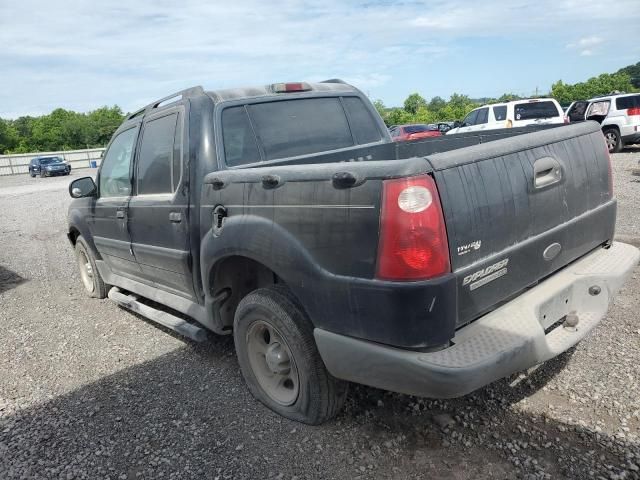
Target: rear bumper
x=509 y=339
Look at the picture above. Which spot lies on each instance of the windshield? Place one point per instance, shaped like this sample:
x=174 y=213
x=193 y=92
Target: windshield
x=50 y=160
x=419 y=128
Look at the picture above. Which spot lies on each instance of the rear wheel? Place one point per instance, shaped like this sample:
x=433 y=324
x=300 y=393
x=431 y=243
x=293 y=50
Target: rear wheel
x=612 y=137
x=89 y=274
x=279 y=359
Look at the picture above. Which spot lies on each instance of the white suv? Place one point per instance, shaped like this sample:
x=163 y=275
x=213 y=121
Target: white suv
x=618 y=114
x=519 y=113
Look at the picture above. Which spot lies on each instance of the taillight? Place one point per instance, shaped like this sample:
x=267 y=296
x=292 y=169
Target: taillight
x=633 y=111
x=509 y=124
x=566 y=119
x=413 y=239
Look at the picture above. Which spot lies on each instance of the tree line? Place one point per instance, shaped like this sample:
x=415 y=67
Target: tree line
x=68 y=130
x=416 y=109
x=60 y=130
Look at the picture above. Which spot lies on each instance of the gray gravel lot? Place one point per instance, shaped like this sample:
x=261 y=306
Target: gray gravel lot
x=88 y=390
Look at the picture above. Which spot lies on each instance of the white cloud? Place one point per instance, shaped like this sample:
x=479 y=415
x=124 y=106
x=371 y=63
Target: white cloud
x=82 y=55
x=586 y=53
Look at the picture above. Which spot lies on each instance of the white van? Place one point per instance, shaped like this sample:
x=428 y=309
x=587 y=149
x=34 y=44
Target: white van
x=519 y=113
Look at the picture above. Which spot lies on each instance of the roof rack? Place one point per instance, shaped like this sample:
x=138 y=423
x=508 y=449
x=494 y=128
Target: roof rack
x=186 y=93
x=334 y=80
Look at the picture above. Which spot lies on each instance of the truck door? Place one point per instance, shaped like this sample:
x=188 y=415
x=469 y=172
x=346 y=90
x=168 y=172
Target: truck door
x=109 y=218
x=159 y=208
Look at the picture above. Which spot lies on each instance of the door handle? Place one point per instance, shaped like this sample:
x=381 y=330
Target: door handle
x=546 y=171
x=120 y=213
x=175 y=217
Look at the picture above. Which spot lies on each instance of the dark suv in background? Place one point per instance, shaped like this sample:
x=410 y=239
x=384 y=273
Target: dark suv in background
x=48 y=166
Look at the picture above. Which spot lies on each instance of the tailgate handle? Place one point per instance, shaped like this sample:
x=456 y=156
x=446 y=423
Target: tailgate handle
x=546 y=171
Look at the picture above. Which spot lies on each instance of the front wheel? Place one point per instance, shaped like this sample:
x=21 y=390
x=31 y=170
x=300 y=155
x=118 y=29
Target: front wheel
x=612 y=137
x=43 y=174
x=89 y=274
x=279 y=359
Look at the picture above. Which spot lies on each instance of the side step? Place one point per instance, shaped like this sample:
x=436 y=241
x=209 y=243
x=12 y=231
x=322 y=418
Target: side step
x=165 y=319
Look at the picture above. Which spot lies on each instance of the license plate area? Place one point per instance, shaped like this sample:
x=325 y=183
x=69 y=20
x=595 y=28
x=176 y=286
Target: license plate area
x=555 y=309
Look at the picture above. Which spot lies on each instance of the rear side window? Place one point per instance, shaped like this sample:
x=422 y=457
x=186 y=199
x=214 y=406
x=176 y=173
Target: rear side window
x=500 y=113
x=297 y=127
x=483 y=116
x=155 y=170
x=628 y=102
x=534 y=110
x=363 y=126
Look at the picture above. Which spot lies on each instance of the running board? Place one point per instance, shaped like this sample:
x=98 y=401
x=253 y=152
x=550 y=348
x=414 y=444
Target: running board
x=165 y=319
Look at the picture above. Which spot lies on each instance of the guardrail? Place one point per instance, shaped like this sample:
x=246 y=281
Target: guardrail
x=17 y=164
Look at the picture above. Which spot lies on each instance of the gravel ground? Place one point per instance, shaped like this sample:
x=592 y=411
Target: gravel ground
x=88 y=390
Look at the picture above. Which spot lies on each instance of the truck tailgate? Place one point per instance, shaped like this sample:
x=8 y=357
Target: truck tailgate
x=518 y=209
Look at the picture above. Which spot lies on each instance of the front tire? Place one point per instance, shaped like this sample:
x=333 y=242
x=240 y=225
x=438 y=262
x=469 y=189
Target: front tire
x=279 y=359
x=612 y=137
x=43 y=174
x=89 y=274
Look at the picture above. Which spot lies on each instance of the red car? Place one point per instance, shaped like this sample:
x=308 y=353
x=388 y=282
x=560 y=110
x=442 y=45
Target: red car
x=405 y=133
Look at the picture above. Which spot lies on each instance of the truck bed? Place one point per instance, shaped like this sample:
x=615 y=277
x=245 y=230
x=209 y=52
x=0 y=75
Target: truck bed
x=502 y=229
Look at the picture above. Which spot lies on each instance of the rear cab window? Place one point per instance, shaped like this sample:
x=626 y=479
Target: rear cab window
x=535 y=110
x=289 y=128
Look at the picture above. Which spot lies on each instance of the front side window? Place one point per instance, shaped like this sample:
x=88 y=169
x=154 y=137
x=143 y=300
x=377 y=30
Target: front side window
x=578 y=111
x=470 y=119
x=483 y=116
x=115 y=180
x=155 y=166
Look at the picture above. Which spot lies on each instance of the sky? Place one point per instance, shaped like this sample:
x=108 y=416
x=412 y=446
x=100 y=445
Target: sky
x=81 y=55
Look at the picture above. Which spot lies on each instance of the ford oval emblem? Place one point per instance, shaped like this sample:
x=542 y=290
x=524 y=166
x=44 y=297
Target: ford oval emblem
x=551 y=251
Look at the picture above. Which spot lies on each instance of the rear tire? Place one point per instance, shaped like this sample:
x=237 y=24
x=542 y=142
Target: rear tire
x=279 y=359
x=612 y=137
x=89 y=274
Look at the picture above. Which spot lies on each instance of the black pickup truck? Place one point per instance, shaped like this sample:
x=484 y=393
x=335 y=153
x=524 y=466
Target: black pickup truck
x=286 y=216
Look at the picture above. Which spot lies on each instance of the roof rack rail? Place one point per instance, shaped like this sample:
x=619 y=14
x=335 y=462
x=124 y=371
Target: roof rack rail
x=334 y=80
x=186 y=93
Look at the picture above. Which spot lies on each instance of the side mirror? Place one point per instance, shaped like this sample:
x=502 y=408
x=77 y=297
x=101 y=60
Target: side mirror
x=83 y=187
x=457 y=124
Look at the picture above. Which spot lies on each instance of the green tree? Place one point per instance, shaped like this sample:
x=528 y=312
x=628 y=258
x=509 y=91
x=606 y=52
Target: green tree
x=601 y=85
x=414 y=102
x=102 y=123
x=634 y=74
